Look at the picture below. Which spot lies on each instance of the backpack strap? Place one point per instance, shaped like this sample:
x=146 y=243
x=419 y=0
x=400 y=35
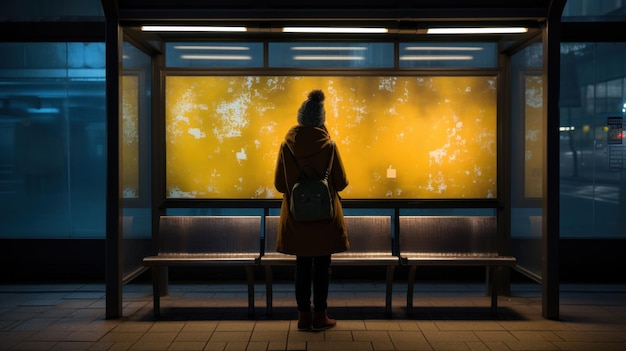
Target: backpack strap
x=330 y=162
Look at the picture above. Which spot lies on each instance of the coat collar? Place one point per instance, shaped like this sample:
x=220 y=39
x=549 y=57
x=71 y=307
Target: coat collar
x=307 y=141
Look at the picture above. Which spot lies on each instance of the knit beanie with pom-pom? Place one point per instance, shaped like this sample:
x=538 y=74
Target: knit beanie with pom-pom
x=311 y=112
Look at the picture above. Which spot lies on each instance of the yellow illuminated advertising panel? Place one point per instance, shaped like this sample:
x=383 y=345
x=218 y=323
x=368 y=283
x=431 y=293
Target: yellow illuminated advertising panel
x=129 y=140
x=431 y=137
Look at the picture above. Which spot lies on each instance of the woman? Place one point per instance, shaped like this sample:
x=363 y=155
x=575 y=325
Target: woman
x=306 y=152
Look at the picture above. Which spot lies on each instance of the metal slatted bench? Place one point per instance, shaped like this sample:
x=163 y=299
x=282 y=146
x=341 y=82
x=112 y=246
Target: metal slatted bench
x=370 y=245
x=206 y=241
x=451 y=241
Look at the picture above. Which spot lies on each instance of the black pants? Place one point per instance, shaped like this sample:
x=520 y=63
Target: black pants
x=316 y=269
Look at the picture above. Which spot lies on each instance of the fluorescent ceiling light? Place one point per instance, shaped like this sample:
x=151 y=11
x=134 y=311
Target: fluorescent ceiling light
x=201 y=47
x=442 y=48
x=329 y=48
x=436 y=57
x=327 y=58
x=192 y=29
x=334 y=30
x=477 y=30
x=216 y=57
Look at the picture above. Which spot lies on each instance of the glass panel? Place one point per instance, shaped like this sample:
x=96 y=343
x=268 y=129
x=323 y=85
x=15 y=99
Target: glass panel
x=135 y=156
x=209 y=55
x=330 y=55
x=223 y=134
x=534 y=133
x=51 y=10
x=87 y=140
x=52 y=179
x=593 y=179
x=462 y=55
x=527 y=145
x=594 y=11
x=133 y=96
x=129 y=147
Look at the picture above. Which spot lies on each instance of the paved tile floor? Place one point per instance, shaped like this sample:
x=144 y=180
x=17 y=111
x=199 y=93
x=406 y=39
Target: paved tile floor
x=214 y=317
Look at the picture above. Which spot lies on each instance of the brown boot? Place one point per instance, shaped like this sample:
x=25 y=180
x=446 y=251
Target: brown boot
x=322 y=322
x=304 y=321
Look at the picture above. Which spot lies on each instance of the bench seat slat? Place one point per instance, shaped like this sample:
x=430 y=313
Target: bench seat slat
x=367 y=257
x=459 y=261
x=199 y=260
x=364 y=260
x=277 y=259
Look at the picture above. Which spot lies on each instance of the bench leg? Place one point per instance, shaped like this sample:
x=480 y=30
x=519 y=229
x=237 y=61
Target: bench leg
x=156 y=291
x=389 y=290
x=250 y=278
x=409 y=290
x=268 y=290
x=493 y=274
x=164 y=279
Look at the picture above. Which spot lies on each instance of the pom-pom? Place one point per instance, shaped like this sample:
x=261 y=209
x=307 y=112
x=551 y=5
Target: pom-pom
x=316 y=95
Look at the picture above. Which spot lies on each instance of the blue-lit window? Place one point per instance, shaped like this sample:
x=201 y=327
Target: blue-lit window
x=594 y=11
x=448 y=55
x=592 y=145
x=52 y=10
x=52 y=140
x=330 y=55
x=214 y=55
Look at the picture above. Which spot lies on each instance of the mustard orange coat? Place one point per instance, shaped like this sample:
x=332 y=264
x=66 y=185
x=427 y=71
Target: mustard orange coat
x=311 y=146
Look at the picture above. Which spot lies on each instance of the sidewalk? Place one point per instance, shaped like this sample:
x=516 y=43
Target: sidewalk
x=214 y=317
